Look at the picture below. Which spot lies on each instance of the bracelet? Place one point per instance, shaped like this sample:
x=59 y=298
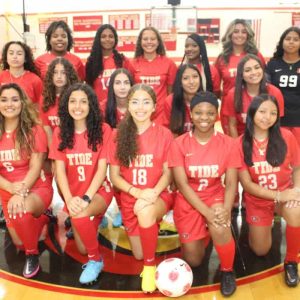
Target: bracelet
x=277 y=197
x=128 y=192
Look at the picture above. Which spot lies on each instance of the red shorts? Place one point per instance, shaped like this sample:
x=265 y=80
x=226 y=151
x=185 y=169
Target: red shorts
x=44 y=191
x=130 y=220
x=259 y=214
x=190 y=224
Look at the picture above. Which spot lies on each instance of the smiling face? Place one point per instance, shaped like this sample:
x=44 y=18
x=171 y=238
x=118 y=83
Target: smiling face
x=10 y=104
x=149 y=42
x=291 y=43
x=190 y=81
x=204 y=116
x=78 y=106
x=239 y=35
x=15 y=56
x=141 y=107
x=107 y=39
x=252 y=72
x=191 y=51
x=59 y=41
x=265 y=116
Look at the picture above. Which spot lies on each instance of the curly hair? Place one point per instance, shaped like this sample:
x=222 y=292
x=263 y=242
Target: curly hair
x=111 y=105
x=250 y=46
x=178 y=104
x=203 y=60
x=94 y=65
x=94 y=119
x=28 y=62
x=49 y=92
x=277 y=148
x=139 y=50
x=279 y=49
x=127 y=147
x=240 y=83
x=65 y=27
x=28 y=118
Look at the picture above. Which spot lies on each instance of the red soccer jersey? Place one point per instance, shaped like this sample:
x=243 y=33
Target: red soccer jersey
x=227 y=72
x=81 y=162
x=204 y=164
x=166 y=119
x=101 y=83
x=50 y=117
x=120 y=115
x=159 y=74
x=43 y=61
x=13 y=165
x=29 y=82
x=229 y=110
x=272 y=178
x=147 y=168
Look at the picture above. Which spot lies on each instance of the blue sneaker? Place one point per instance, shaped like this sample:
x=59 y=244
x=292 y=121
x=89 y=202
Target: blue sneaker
x=91 y=271
x=104 y=222
x=117 y=221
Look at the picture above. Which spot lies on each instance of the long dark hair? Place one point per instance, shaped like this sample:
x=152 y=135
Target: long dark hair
x=29 y=61
x=94 y=65
x=127 y=147
x=65 y=27
x=94 y=119
x=277 y=148
x=203 y=59
x=240 y=83
x=111 y=105
x=279 y=49
x=178 y=104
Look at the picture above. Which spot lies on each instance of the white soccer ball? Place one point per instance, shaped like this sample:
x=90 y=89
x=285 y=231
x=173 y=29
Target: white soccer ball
x=173 y=277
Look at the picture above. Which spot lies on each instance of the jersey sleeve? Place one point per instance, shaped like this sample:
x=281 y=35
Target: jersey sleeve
x=175 y=155
x=112 y=149
x=234 y=159
x=228 y=104
x=274 y=91
x=40 y=140
x=171 y=72
x=168 y=137
x=294 y=149
x=106 y=140
x=240 y=154
x=128 y=65
x=216 y=79
x=54 y=153
x=38 y=89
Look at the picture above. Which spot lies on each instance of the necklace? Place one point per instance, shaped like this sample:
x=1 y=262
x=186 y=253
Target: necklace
x=261 y=146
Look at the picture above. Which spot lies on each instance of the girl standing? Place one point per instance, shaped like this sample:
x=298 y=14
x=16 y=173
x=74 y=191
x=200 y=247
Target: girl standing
x=270 y=176
x=139 y=169
x=199 y=159
x=24 y=190
x=79 y=151
x=59 y=42
x=153 y=67
x=19 y=68
x=104 y=60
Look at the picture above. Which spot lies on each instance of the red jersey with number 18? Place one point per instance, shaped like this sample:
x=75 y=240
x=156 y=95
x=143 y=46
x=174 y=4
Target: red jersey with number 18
x=81 y=162
x=204 y=164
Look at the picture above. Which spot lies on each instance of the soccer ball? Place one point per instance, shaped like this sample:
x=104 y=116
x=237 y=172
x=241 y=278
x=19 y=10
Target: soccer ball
x=173 y=277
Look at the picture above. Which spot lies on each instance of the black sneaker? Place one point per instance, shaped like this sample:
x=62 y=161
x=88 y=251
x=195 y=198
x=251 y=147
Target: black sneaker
x=32 y=265
x=228 y=284
x=291 y=273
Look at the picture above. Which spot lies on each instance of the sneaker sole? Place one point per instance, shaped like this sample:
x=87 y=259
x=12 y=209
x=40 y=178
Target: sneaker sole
x=32 y=274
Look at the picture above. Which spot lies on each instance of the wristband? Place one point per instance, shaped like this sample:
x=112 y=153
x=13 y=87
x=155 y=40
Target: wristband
x=86 y=198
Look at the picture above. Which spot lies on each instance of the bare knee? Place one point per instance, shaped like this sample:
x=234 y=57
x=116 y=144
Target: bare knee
x=194 y=259
x=259 y=249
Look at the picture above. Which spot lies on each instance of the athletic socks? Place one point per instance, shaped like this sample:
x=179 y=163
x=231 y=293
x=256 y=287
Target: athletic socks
x=88 y=235
x=226 y=253
x=292 y=243
x=148 y=238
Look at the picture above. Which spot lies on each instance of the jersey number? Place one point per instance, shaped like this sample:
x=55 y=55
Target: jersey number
x=139 y=177
x=81 y=173
x=203 y=183
x=8 y=166
x=268 y=181
x=290 y=81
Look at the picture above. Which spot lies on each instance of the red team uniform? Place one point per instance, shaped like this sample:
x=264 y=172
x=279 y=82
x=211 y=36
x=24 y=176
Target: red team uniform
x=204 y=166
x=259 y=211
x=50 y=117
x=159 y=74
x=101 y=84
x=43 y=61
x=82 y=163
x=229 y=109
x=120 y=115
x=167 y=114
x=29 y=82
x=14 y=167
x=144 y=172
